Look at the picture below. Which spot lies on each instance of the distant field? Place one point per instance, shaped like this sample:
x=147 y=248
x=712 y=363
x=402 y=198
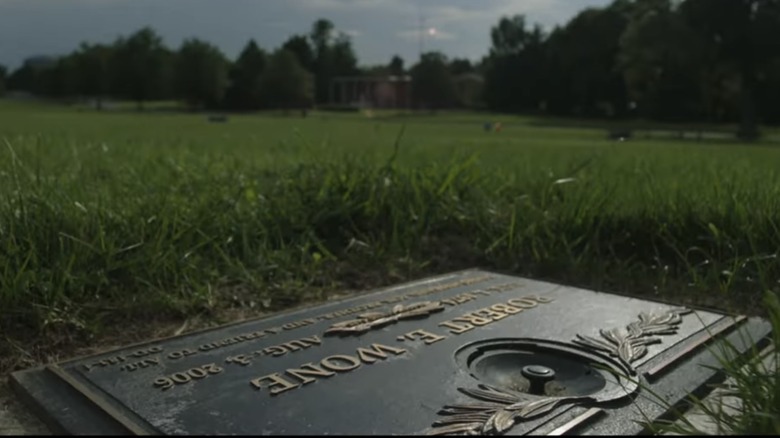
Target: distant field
x=108 y=217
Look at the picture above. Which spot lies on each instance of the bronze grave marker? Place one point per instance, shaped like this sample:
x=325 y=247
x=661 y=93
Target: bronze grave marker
x=468 y=352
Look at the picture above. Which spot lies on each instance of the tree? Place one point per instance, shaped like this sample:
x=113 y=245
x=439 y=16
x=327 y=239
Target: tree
x=21 y=79
x=516 y=68
x=245 y=75
x=141 y=67
x=744 y=38
x=469 y=89
x=301 y=47
x=3 y=74
x=461 y=66
x=59 y=80
x=769 y=93
x=201 y=73
x=285 y=83
x=583 y=77
x=663 y=62
x=432 y=82
x=30 y=76
x=321 y=35
x=333 y=56
x=344 y=59
x=510 y=36
x=396 y=66
x=93 y=71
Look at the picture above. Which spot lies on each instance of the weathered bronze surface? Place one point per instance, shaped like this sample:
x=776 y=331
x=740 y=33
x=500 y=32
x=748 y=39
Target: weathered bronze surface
x=465 y=353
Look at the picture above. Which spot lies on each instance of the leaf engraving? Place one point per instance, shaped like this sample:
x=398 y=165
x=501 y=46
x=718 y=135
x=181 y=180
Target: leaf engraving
x=496 y=417
x=629 y=345
x=371 y=320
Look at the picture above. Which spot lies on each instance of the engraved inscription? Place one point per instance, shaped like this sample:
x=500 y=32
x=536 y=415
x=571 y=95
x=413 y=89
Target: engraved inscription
x=293 y=378
x=243 y=359
x=246 y=337
x=352 y=310
x=376 y=353
x=231 y=341
x=275 y=350
x=276 y=383
x=371 y=320
x=297 y=324
x=425 y=336
x=460 y=298
x=340 y=362
x=491 y=314
x=307 y=373
x=447 y=286
x=114 y=360
x=423 y=292
x=129 y=364
x=289 y=347
x=182 y=378
x=174 y=355
x=146 y=363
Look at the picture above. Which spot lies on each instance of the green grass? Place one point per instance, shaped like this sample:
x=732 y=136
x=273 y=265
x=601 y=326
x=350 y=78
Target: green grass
x=121 y=215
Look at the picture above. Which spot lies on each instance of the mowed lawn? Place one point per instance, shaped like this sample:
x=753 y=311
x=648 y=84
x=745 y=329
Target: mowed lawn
x=108 y=218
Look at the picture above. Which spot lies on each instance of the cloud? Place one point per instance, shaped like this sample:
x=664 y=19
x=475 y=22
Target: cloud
x=414 y=34
x=352 y=33
x=545 y=11
x=341 y=4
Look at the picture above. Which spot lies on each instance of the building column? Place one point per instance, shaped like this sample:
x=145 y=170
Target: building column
x=344 y=85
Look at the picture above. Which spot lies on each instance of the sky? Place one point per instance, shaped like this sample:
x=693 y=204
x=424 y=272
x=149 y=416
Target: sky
x=379 y=28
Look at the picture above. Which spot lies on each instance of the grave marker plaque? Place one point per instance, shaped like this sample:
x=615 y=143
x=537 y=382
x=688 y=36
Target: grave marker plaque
x=468 y=352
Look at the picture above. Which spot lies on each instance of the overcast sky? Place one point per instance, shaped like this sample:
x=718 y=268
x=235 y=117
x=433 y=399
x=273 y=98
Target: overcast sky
x=379 y=28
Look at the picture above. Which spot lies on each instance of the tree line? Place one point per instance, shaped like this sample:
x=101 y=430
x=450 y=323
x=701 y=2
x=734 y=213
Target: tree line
x=670 y=60
x=141 y=68
x=712 y=61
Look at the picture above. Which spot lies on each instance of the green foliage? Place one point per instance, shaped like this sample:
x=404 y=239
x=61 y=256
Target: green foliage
x=396 y=66
x=244 y=92
x=681 y=61
x=516 y=61
x=433 y=85
x=285 y=83
x=684 y=61
x=332 y=56
x=663 y=60
x=201 y=73
x=141 y=67
x=3 y=75
x=300 y=46
x=93 y=70
x=585 y=53
x=460 y=67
